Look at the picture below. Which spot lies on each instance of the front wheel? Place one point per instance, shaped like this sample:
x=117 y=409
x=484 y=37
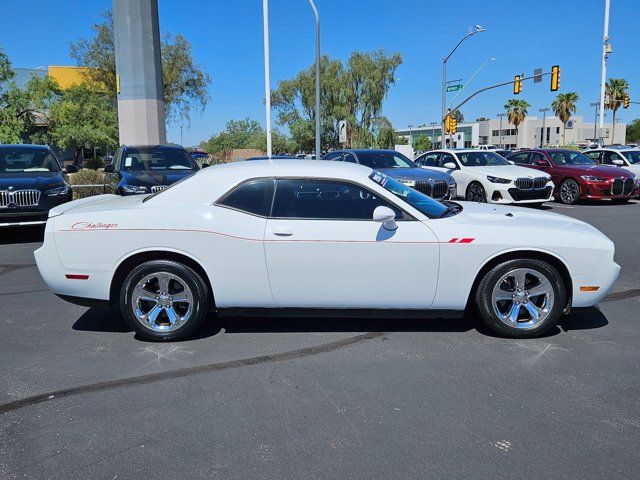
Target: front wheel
x=521 y=298
x=476 y=193
x=569 y=192
x=164 y=300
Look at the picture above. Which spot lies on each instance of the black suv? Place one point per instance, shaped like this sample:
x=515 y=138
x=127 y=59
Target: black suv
x=148 y=168
x=32 y=182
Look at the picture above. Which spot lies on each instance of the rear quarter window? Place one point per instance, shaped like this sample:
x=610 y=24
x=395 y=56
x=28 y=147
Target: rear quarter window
x=253 y=197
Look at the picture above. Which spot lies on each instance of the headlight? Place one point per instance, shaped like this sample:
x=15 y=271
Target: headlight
x=591 y=178
x=498 y=179
x=54 y=192
x=408 y=183
x=134 y=188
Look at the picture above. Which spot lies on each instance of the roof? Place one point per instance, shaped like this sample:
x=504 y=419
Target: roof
x=365 y=150
x=304 y=168
x=166 y=145
x=15 y=146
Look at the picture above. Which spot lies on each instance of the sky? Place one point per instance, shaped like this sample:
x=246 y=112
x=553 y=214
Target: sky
x=226 y=37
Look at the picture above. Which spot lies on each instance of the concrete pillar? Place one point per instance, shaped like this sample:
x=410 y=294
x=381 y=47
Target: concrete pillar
x=139 y=68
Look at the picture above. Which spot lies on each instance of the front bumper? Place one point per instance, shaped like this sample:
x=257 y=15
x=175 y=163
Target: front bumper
x=603 y=191
x=508 y=194
x=604 y=278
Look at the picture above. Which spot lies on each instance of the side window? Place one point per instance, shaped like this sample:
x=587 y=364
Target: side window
x=447 y=158
x=326 y=199
x=349 y=158
x=429 y=160
x=254 y=196
x=117 y=158
x=524 y=158
x=535 y=157
x=333 y=156
x=609 y=157
x=594 y=156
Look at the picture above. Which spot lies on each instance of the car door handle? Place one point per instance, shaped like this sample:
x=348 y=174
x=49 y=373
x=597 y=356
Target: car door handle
x=283 y=232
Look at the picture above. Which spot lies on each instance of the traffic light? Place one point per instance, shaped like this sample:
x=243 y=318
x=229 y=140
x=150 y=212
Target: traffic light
x=453 y=125
x=447 y=123
x=517 y=85
x=555 y=78
x=625 y=100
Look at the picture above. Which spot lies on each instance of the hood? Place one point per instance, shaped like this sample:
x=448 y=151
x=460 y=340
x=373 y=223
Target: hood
x=416 y=174
x=97 y=203
x=606 y=171
x=510 y=172
x=34 y=180
x=157 y=177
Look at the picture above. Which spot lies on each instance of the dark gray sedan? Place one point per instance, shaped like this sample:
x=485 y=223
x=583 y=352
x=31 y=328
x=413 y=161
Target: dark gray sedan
x=438 y=185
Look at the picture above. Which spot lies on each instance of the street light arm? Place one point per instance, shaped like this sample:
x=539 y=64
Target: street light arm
x=470 y=78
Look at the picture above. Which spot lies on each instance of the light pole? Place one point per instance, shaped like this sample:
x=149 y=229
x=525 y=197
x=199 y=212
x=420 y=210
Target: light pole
x=490 y=59
x=500 y=115
x=318 y=116
x=544 y=119
x=477 y=29
x=433 y=133
x=606 y=49
x=410 y=135
x=595 y=120
x=267 y=79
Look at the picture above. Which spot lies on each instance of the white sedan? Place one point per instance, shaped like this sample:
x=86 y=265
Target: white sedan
x=627 y=158
x=484 y=176
x=313 y=237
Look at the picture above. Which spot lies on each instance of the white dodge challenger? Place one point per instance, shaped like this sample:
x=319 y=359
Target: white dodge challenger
x=318 y=237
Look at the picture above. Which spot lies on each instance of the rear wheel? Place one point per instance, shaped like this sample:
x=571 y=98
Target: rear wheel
x=521 y=298
x=569 y=192
x=476 y=193
x=164 y=300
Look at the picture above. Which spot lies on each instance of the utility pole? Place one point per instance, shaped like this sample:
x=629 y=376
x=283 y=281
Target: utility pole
x=433 y=134
x=500 y=115
x=267 y=78
x=477 y=29
x=606 y=49
x=544 y=120
x=318 y=113
x=410 y=135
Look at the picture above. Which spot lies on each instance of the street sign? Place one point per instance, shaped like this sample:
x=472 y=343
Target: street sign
x=454 y=88
x=342 y=131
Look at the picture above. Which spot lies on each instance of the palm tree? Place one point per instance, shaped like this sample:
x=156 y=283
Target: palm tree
x=614 y=90
x=516 y=112
x=564 y=106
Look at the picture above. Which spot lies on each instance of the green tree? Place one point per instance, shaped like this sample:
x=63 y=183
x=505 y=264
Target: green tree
x=422 y=143
x=516 y=112
x=84 y=117
x=246 y=133
x=353 y=92
x=385 y=134
x=633 y=131
x=615 y=89
x=184 y=82
x=564 y=106
x=457 y=114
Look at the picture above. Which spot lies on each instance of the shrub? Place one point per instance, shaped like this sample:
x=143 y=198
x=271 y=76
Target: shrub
x=94 y=163
x=87 y=176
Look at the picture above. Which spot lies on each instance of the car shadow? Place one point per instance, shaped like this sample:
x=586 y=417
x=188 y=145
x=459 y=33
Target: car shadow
x=104 y=320
x=14 y=235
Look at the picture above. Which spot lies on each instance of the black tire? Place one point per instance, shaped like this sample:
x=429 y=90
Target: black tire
x=485 y=306
x=475 y=193
x=568 y=196
x=181 y=276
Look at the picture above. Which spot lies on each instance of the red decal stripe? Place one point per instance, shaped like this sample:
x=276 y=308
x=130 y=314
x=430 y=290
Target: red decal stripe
x=72 y=276
x=461 y=240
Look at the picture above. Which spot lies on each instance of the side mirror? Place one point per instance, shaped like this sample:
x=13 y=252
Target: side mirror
x=109 y=169
x=386 y=217
x=618 y=162
x=449 y=166
x=542 y=163
x=204 y=165
x=71 y=169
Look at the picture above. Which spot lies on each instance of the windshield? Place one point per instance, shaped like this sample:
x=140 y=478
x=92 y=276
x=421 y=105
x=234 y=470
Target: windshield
x=27 y=160
x=570 y=158
x=481 y=159
x=157 y=158
x=632 y=156
x=377 y=160
x=417 y=200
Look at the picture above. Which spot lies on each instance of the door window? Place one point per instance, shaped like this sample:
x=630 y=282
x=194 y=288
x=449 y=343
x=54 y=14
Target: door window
x=429 y=160
x=326 y=199
x=333 y=156
x=594 y=156
x=447 y=158
x=254 y=197
x=609 y=157
x=349 y=158
x=523 y=158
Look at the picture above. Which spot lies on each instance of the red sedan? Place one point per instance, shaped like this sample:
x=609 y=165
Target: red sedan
x=577 y=177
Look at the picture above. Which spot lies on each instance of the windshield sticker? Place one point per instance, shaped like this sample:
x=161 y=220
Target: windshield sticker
x=379 y=178
x=128 y=161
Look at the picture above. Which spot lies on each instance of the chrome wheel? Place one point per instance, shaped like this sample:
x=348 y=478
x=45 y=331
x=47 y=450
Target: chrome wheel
x=475 y=193
x=569 y=192
x=162 y=302
x=523 y=298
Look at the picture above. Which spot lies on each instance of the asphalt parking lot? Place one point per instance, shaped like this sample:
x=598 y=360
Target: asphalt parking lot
x=81 y=397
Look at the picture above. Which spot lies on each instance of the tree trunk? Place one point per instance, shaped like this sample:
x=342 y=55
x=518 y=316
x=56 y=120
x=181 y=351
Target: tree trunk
x=516 y=136
x=613 y=128
x=564 y=134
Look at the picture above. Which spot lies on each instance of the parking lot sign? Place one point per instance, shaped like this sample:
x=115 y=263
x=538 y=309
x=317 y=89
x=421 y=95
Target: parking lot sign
x=342 y=131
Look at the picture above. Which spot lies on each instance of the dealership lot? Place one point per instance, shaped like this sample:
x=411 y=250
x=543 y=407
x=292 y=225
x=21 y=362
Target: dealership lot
x=301 y=398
